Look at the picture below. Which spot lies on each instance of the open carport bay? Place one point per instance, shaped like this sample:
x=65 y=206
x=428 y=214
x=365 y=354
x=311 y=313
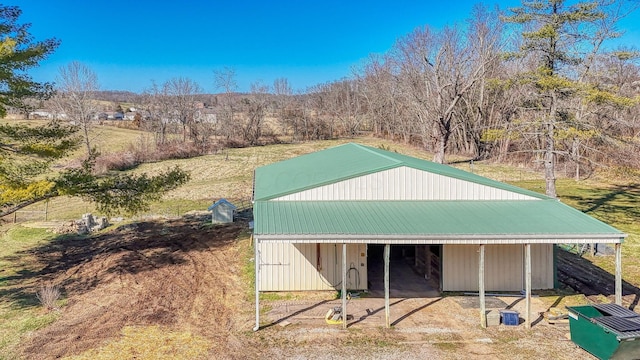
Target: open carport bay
x=405 y=280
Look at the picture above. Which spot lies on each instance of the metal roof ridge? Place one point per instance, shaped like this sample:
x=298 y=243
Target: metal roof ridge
x=374 y=152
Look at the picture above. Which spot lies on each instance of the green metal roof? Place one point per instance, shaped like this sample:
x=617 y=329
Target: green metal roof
x=348 y=161
x=427 y=218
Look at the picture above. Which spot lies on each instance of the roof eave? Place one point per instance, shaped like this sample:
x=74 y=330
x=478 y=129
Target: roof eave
x=445 y=238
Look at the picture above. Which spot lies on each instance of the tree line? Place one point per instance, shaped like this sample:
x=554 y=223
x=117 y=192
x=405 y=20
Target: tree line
x=544 y=83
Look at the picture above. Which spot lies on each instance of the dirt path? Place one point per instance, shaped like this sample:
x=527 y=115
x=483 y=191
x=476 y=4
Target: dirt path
x=180 y=274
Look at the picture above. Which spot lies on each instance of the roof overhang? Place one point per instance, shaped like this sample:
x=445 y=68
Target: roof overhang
x=448 y=239
x=428 y=222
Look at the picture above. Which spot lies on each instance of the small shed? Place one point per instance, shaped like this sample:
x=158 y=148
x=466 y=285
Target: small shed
x=222 y=212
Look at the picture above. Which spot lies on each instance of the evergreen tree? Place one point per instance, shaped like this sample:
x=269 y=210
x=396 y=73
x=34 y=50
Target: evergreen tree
x=563 y=41
x=18 y=53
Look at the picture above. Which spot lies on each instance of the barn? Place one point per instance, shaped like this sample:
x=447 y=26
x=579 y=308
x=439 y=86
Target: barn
x=330 y=220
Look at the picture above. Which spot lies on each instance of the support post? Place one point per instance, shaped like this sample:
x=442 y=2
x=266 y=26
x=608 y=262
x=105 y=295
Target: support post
x=46 y=210
x=387 y=312
x=483 y=308
x=618 y=273
x=427 y=258
x=256 y=262
x=344 y=285
x=527 y=280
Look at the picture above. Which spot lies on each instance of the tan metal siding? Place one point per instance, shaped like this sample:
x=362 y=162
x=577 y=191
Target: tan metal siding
x=404 y=183
x=504 y=267
x=460 y=267
x=542 y=266
x=293 y=267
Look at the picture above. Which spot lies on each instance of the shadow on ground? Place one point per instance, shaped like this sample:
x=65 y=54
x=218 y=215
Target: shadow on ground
x=584 y=277
x=80 y=263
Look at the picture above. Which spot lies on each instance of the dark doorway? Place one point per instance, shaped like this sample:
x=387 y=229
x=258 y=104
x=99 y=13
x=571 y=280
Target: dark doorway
x=404 y=280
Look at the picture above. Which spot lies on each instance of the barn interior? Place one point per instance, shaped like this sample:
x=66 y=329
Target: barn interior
x=414 y=270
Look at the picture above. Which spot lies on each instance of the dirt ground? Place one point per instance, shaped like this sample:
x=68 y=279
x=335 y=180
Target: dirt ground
x=185 y=275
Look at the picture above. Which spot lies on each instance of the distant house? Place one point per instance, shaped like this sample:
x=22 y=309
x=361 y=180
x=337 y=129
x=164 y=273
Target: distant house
x=40 y=115
x=205 y=115
x=110 y=115
x=130 y=115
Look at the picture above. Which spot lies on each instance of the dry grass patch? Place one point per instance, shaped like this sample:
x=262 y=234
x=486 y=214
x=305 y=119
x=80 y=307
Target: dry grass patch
x=150 y=343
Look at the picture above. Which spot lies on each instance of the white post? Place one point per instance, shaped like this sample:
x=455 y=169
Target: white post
x=344 y=285
x=256 y=262
x=483 y=309
x=387 y=312
x=527 y=280
x=618 y=273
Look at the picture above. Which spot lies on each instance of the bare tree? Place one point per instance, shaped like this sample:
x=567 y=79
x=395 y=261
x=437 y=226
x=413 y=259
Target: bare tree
x=225 y=80
x=284 y=101
x=156 y=103
x=77 y=85
x=182 y=93
x=256 y=108
x=344 y=104
x=385 y=102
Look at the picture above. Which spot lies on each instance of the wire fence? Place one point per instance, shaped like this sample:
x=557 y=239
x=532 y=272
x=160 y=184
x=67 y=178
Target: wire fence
x=59 y=211
x=30 y=215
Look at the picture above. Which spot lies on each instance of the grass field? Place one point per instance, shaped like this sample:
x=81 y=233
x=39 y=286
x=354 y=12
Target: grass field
x=18 y=314
x=229 y=174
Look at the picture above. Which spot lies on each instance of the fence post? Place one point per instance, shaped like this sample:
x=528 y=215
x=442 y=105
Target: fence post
x=46 y=210
x=15 y=217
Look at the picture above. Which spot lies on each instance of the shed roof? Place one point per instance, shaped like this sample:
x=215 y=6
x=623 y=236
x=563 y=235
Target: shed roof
x=349 y=161
x=223 y=203
x=510 y=221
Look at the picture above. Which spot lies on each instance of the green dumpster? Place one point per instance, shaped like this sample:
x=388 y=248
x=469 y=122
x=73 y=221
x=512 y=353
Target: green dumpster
x=608 y=331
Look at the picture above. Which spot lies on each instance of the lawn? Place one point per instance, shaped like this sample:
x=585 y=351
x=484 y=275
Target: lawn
x=20 y=311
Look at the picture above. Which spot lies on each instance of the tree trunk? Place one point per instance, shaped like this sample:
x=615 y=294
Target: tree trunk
x=549 y=162
x=442 y=139
x=549 y=151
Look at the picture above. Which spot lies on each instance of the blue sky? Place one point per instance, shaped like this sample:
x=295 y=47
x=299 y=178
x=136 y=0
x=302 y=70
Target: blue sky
x=130 y=43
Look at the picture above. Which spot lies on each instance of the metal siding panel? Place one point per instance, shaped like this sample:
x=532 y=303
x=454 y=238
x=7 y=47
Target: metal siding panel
x=404 y=183
x=459 y=268
x=364 y=270
x=542 y=266
x=297 y=272
x=278 y=254
x=270 y=279
x=326 y=277
x=505 y=268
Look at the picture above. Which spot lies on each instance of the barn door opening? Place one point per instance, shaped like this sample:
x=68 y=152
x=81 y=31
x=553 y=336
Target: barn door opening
x=404 y=279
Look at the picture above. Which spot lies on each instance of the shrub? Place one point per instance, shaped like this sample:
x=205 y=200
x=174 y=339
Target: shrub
x=48 y=295
x=116 y=161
